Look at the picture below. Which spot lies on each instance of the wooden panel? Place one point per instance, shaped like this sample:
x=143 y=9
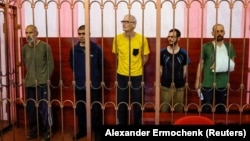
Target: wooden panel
x=62 y=91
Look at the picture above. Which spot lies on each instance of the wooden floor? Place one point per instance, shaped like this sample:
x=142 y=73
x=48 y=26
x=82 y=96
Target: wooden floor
x=18 y=134
x=3 y=124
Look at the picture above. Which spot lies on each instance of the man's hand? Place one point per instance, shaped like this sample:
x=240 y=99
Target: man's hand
x=212 y=67
x=197 y=84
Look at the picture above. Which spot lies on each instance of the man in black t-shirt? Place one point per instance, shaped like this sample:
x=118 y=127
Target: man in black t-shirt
x=173 y=61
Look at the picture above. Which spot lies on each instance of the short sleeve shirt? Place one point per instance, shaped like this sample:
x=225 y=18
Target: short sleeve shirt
x=208 y=56
x=130 y=54
x=172 y=67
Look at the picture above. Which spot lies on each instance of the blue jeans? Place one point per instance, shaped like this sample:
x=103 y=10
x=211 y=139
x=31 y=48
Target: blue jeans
x=135 y=93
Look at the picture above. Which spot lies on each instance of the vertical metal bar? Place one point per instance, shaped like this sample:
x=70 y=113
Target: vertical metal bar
x=157 y=59
x=87 y=37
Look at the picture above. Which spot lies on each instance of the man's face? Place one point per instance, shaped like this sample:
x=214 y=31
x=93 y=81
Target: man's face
x=81 y=36
x=172 y=39
x=30 y=35
x=128 y=24
x=218 y=32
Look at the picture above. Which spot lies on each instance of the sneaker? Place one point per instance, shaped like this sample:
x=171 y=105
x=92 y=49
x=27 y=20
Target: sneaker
x=45 y=136
x=45 y=139
x=78 y=136
x=32 y=134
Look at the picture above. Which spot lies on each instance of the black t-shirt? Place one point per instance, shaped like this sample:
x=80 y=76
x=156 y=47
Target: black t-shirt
x=170 y=74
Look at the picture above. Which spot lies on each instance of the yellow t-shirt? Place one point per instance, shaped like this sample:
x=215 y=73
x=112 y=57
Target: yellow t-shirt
x=130 y=54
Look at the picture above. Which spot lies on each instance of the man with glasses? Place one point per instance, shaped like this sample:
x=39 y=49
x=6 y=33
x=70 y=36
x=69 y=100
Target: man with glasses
x=173 y=70
x=77 y=63
x=131 y=50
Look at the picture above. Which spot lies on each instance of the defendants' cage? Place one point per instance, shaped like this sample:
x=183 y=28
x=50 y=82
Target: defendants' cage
x=57 y=23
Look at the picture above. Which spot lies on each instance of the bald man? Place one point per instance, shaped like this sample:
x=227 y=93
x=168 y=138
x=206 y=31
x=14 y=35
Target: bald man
x=39 y=63
x=213 y=52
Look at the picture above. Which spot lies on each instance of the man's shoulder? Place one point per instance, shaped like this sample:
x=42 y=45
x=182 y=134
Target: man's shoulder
x=163 y=49
x=208 y=44
x=227 y=44
x=164 y=52
x=44 y=44
x=25 y=45
x=139 y=35
x=183 y=50
x=119 y=35
x=94 y=45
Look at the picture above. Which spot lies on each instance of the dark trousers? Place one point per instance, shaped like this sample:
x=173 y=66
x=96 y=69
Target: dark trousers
x=96 y=111
x=135 y=93
x=39 y=93
x=220 y=99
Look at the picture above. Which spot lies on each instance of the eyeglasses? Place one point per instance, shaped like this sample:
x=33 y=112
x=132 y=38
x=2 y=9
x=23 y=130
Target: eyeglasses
x=126 y=22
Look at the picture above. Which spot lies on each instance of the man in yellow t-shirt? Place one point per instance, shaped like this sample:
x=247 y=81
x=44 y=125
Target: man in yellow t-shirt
x=132 y=53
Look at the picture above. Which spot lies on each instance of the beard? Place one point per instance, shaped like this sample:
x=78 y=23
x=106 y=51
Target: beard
x=219 y=38
x=30 y=39
x=82 y=42
x=172 y=43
